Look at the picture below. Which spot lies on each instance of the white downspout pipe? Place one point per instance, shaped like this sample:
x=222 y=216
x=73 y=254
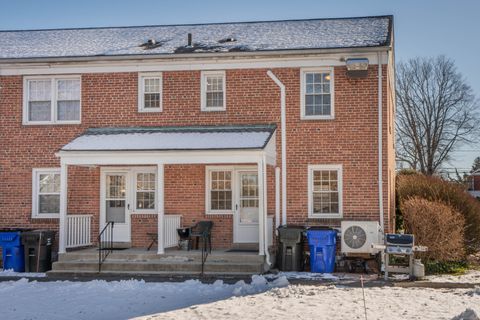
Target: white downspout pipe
x=283 y=124
x=380 y=142
x=277 y=199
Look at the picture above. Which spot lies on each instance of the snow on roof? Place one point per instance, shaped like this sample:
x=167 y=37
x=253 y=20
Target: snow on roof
x=216 y=37
x=173 y=138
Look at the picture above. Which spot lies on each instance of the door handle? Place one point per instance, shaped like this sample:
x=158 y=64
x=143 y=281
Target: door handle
x=236 y=207
x=128 y=206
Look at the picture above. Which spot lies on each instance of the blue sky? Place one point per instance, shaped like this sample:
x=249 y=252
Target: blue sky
x=422 y=28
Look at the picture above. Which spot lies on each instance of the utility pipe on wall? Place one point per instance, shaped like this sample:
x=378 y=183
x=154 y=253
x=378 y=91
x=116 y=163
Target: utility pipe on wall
x=380 y=142
x=283 y=124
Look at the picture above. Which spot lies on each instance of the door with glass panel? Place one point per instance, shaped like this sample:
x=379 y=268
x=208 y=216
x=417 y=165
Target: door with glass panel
x=246 y=208
x=116 y=205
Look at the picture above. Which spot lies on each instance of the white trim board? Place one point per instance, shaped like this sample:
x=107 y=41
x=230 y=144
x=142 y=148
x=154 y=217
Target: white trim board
x=179 y=64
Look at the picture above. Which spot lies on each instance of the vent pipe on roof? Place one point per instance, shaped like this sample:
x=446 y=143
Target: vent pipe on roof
x=189 y=40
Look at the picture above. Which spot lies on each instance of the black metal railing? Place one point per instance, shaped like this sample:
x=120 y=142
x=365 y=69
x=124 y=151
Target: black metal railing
x=204 y=252
x=105 y=243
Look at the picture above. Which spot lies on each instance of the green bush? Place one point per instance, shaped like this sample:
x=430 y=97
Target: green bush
x=437 y=190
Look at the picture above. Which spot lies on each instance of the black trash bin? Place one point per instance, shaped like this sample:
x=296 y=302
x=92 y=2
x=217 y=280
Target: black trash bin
x=290 y=248
x=38 y=250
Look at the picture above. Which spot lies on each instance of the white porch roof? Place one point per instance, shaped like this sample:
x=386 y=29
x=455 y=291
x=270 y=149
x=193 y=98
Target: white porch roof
x=189 y=144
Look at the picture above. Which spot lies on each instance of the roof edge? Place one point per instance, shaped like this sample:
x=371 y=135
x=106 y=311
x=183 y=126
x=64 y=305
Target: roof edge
x=389 y=16
x=176 y=56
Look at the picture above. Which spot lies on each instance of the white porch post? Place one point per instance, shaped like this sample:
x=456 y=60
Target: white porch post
x=261 y=208
x=161 y=207
x=62 y=232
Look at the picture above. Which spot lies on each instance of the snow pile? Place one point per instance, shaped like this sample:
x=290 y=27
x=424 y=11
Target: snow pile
x=175 y=259
x=468 y=314
x=304 y=276
x=11 y=273
x=100 y=299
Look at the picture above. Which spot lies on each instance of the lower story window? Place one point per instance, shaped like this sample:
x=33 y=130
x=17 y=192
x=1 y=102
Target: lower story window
x=145 y=189
x=325 y=191
x=46 y=193
x=220 y=191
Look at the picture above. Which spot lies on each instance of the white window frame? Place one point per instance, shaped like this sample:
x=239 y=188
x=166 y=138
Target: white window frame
x=141 y=91
x=204 y=75
x=136 y=171
x=208 y=171
x=54 y=108
x=36 y=189
x=303 y=73
x=330 y=167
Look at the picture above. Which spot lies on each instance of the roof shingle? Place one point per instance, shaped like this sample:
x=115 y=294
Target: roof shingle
x=248 y=36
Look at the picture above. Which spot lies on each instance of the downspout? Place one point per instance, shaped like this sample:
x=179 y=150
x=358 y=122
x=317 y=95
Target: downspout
x=380 y=143
x=283 y=125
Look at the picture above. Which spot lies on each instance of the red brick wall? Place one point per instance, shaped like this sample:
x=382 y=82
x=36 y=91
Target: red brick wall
x=111 y=100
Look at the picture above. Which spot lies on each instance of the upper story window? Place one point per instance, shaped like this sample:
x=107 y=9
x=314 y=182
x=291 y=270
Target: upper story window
x=213 y=91
x=317 y=94
x=46 y=193
x=52 y=100
x=150 y=92
x=325 y=191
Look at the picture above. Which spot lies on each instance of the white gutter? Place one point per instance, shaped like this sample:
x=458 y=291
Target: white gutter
x=380 y=143
x=283 y=125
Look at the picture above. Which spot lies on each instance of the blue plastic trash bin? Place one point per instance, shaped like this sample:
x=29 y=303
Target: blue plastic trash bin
x=12 y=251
x=322 y=245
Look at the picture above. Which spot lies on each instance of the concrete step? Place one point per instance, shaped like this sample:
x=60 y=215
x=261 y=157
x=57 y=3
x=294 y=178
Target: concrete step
x=152 y=256
x=158 y=266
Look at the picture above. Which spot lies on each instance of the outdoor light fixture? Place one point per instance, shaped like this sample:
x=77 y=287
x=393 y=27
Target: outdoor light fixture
x=357 y=67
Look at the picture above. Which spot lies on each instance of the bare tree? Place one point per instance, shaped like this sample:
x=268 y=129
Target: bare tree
x=436 y=112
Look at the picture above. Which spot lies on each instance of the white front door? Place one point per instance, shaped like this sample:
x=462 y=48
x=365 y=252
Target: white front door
x=115 y=204
x=246 y=208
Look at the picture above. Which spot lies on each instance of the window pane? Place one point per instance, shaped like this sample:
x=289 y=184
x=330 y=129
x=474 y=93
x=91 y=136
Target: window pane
x=39 y=90
x=68 y=110
x=214 y=99
x=151 y=100
x=220 y=193
x=152 y=85
x=49 y=203
x=317 y=94
x=39 y=111
x=68 y=89
x=145 y=200
x=325 y=196
x=49 y=183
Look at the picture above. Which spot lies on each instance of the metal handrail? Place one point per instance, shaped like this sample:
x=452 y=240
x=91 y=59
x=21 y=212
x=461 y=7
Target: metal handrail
x=105 y=243
x=204 y=252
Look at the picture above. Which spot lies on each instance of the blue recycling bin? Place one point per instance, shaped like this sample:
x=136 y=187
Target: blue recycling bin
x=322 y=245
x=12 y=251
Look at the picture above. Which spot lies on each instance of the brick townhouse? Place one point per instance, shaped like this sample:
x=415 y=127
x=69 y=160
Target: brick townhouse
x=249 y=125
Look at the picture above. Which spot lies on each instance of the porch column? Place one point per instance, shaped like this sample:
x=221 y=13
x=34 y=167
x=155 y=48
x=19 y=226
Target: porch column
x=161 y=207
x=261 y=207
x=62 y=232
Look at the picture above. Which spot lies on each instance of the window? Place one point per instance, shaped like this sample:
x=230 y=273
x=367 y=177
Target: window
x=219 y=191
x=52 y=100
x=213 y=91
x=325 y=191
x=317 y=94
x=145 y=191
x=150 y=92
x=46 y=193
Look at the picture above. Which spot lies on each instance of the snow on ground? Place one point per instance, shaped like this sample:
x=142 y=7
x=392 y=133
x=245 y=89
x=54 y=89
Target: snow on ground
x=331 y=302
x=263 y=298
x=99 y=299
x=11 y=273
x=472 y=276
